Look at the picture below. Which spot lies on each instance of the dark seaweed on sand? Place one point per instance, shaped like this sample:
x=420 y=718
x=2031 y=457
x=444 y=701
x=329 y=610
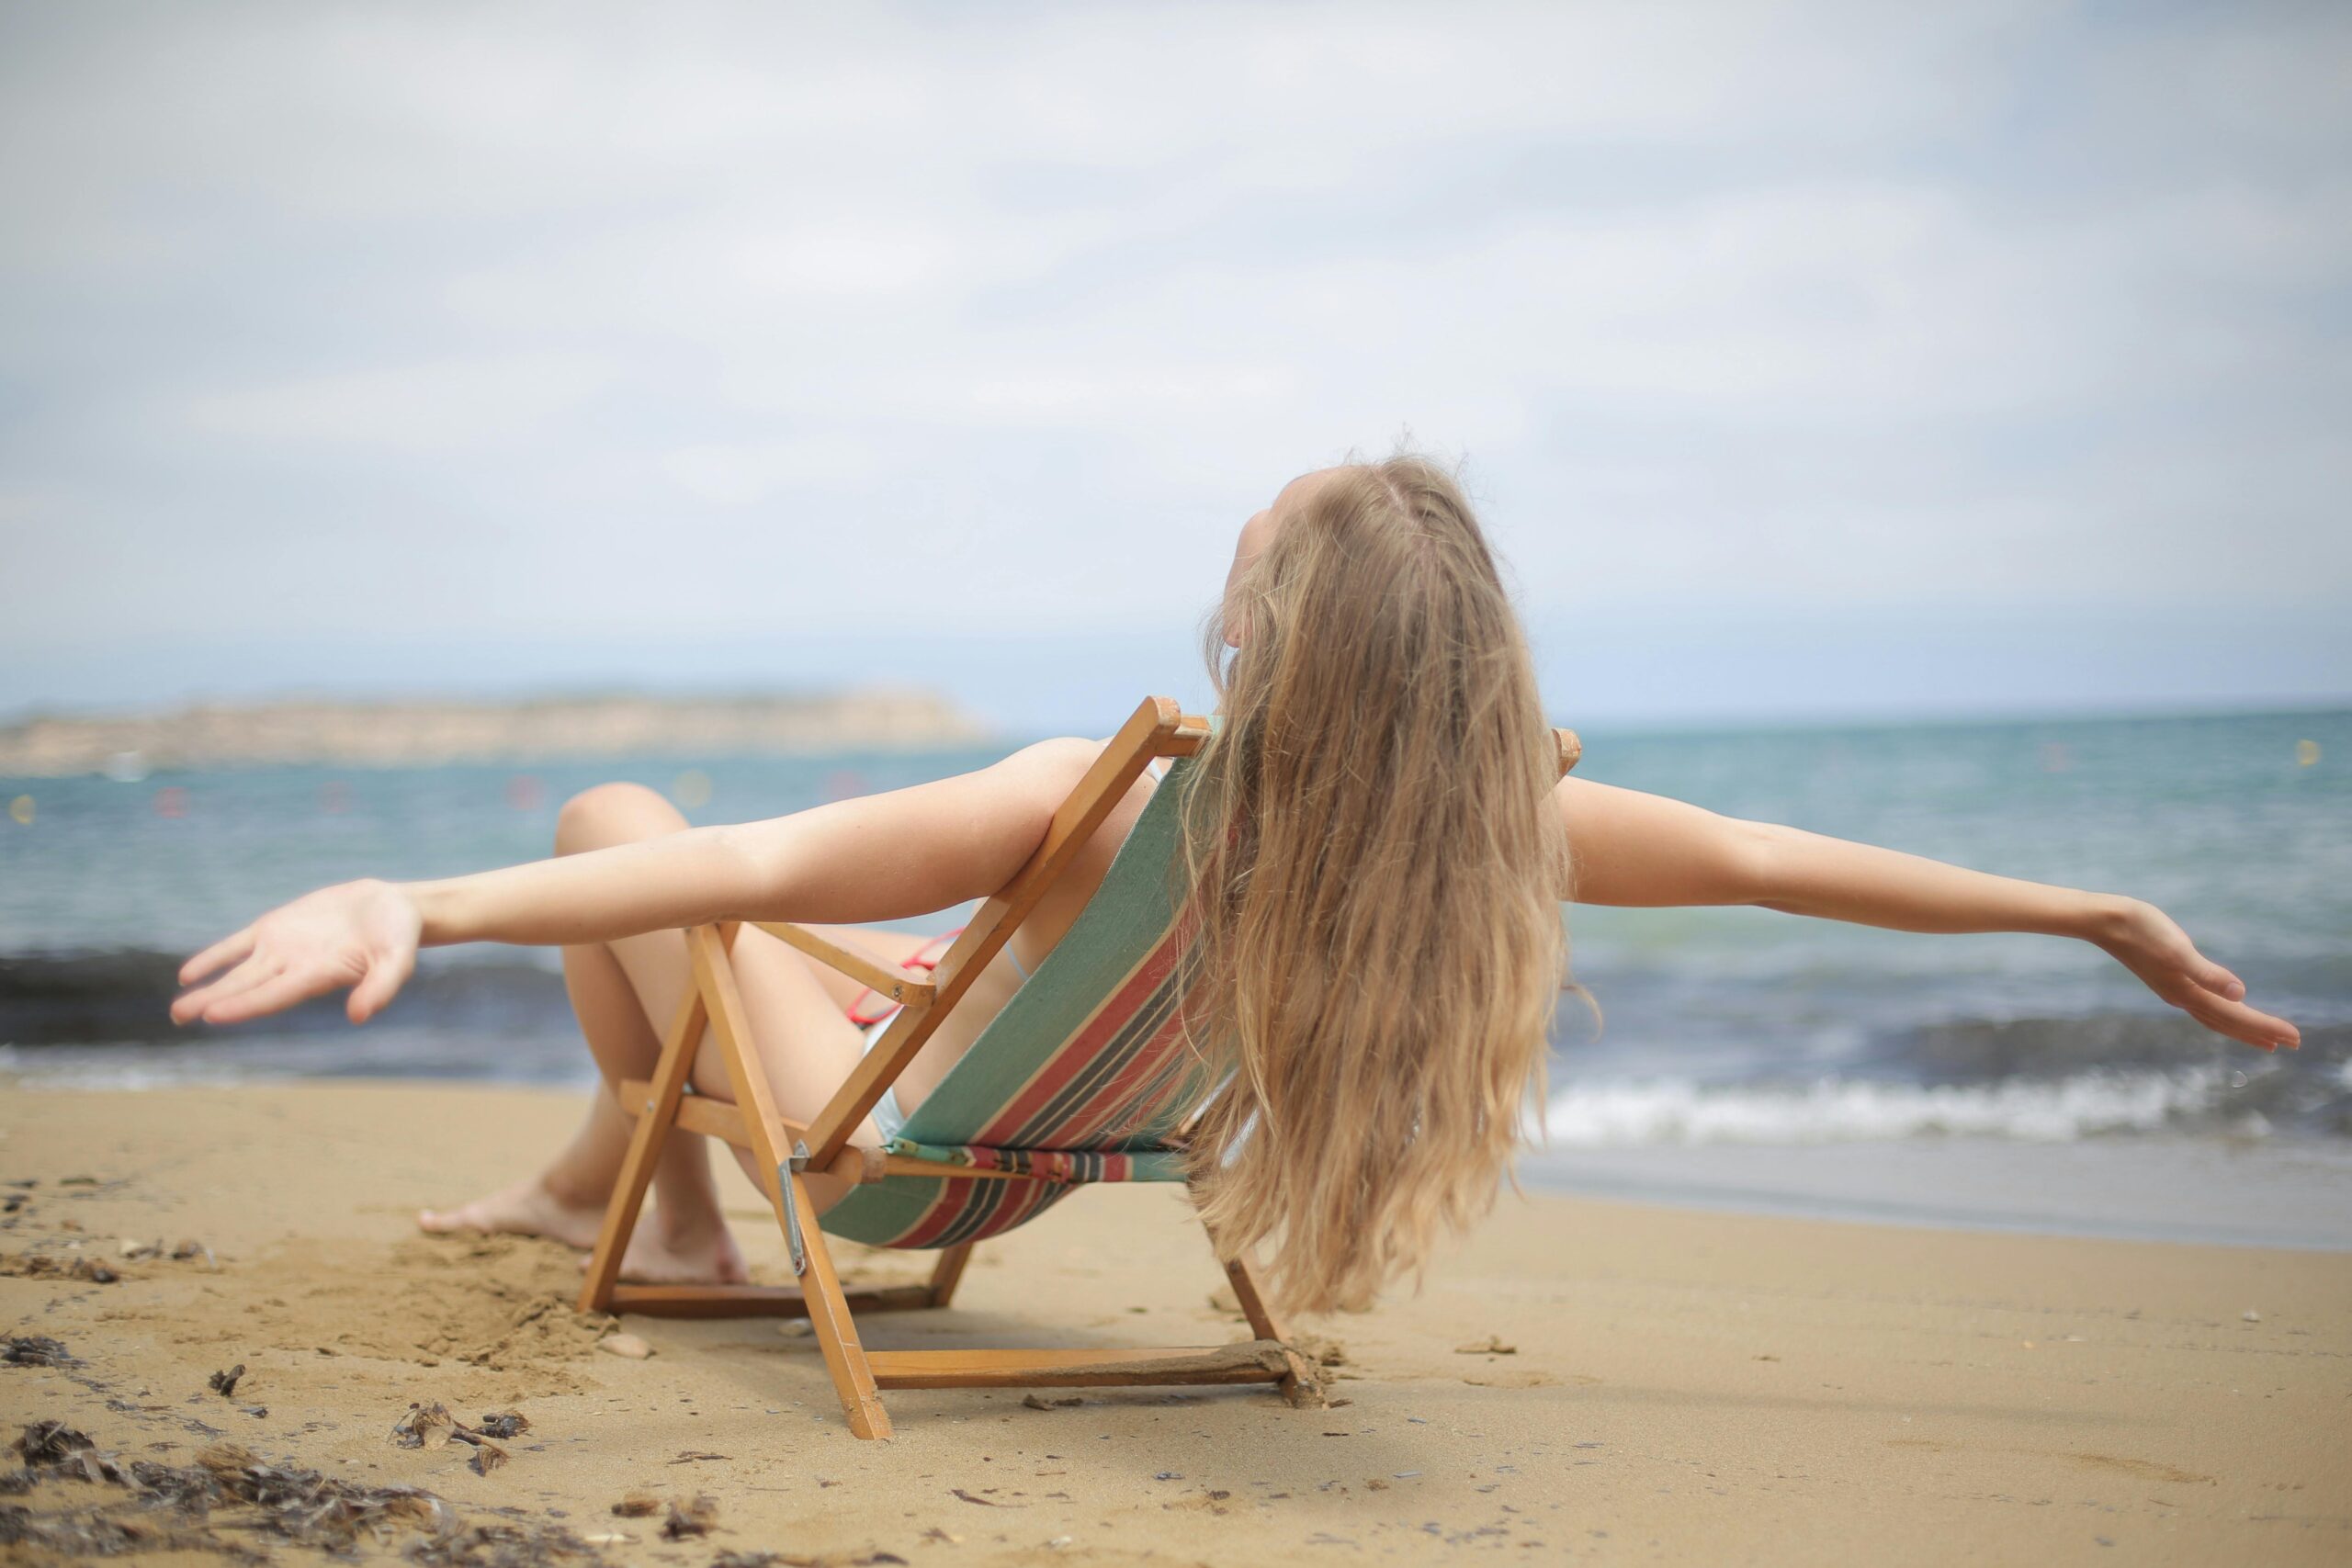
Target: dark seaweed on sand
x=171 y=1508
x=34 y=1350
x=41 y=1265
x=106 y=1532
x=690 y=1518
x=426 y=1427
x=225 y=1383
x=300 y=1504
x=432 y=1427
x=498 y=1544
x=46 y=1443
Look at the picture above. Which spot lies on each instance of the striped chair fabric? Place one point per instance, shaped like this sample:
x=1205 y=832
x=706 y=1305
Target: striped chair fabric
x=1083 y=1076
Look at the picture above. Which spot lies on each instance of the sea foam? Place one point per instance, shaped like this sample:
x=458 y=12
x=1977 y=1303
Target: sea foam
x=1830 y=1109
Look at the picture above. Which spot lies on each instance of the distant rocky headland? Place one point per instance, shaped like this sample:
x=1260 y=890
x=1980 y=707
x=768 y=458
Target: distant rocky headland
x=426 y=733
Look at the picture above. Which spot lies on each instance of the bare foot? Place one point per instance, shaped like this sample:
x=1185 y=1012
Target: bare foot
x=527 y=1208
x=703 y=1254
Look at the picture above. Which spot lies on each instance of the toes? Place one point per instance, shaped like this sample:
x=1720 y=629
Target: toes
x=467 y=1220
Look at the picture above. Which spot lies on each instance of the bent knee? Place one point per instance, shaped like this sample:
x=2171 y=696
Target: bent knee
x=613 y=814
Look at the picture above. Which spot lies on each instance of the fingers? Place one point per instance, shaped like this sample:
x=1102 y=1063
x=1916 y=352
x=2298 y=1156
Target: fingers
x=228 y=950
x=378 y=987
x=2243 y=1023
x=244 y=978
x=2215 y=978
x=275 y=995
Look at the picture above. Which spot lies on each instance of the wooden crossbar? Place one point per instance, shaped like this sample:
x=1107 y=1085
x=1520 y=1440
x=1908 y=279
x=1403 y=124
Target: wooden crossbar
x=882 y=979
x=760 y=1300
x=717 y=1119
x=1253 y=1360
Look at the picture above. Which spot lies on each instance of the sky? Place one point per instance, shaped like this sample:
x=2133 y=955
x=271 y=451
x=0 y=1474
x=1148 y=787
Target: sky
x=1808 y=359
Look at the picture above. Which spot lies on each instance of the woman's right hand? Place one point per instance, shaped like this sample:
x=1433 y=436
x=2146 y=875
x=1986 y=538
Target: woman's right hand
x=360 y=934
x=2150 y=943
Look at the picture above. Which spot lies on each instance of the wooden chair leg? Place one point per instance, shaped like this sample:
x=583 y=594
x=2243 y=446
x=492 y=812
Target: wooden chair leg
x=829 y=1314
x=1262 y=1322
x=654 y=1119
x=820 y=1288
x=948 y=1272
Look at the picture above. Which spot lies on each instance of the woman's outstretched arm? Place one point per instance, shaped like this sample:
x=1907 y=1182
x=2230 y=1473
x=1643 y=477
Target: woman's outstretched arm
x=1635 y=848
x=877 y=858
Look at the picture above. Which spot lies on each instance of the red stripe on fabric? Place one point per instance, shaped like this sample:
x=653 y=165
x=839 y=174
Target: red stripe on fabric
x=1041 y=1196
x=955 y=1193
x=1095 y=1036
x=1098 y=1115
x=970 y=1210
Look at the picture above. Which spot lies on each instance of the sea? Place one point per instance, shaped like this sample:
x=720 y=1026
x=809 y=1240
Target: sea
x=1728 y=1057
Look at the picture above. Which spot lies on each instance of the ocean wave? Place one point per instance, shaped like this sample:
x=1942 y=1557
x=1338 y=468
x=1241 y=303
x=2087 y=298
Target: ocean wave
x=124 y=996
x=1832 y=1110
x=30 y=1074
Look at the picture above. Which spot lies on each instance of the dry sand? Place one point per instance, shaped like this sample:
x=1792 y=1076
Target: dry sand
x=1683 y=1387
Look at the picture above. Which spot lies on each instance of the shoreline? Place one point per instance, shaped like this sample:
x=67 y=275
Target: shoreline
x=545 y=730
x=2289 y=1192
x=1680 y=1386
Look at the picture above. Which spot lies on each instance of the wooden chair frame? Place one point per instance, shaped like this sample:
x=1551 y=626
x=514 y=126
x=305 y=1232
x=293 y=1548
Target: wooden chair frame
x=783 y=1151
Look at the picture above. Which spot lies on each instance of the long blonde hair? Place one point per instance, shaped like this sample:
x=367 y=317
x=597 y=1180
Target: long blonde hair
x=1376 y=865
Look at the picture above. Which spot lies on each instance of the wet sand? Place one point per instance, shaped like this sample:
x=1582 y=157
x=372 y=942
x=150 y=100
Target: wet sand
x=1680 y=1386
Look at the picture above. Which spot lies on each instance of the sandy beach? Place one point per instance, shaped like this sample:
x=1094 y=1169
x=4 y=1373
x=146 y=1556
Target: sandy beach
x=1659 y=1385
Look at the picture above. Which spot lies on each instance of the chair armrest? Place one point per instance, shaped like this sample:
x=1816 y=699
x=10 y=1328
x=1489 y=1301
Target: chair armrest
x=882 y=979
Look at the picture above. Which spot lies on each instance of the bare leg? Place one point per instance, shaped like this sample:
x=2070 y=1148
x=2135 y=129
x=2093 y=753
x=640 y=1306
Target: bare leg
x=684 y=1237
x=556 y=1203
x=804 y=1042
x=566 y=1200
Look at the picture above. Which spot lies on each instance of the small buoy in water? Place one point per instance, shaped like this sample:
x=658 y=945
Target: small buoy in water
x=334 y=797
x=170 y=801
x=2306 y=753
x=691 y=789
x=21 y=809
x=524 y=792
x=126 y=767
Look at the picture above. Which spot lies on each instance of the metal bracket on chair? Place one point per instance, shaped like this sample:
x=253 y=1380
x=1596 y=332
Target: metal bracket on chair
x=783 y=1175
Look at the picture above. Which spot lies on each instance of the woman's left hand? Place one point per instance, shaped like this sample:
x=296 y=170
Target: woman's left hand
x=360 y=934
x=2147 y=941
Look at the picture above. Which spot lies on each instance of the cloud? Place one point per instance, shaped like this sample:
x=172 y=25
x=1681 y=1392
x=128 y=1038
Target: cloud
x=746 y=473
x=443 y=407
x=1809 y=309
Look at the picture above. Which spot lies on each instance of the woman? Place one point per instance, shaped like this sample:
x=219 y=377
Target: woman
x=1377 y=843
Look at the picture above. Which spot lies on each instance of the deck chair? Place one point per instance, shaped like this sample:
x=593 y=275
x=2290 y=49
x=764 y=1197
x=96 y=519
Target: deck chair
x=1083 y=1077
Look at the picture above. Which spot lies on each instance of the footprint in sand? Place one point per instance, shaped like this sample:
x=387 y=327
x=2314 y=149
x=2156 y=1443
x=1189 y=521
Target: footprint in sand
x=1516 y=1378
x=2147 y=1469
